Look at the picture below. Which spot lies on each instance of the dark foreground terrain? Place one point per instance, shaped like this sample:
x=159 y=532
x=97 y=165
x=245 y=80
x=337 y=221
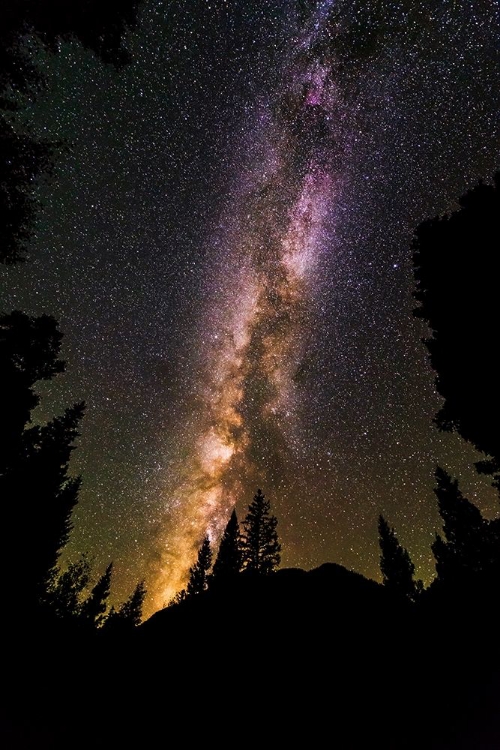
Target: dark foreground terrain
x=324 y=658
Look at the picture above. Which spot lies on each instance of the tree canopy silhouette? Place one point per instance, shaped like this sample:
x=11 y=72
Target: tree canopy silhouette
x=29 y=349
x=93 y=609
x=65 y=591
x=470 y=544
x=65 y=597
x=37 y=491
x=99 y=26
x=198 y=573
x=22 y=160
x=229 y=557
x=457 y=266
x=261 y=548
x=128 y=616
x=41 y=497
x=395 y=564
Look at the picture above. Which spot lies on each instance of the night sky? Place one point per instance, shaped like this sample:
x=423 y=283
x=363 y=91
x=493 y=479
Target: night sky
x=226 y=243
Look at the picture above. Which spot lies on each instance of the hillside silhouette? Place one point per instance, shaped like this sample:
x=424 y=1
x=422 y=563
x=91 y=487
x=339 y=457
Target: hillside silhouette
x=295 y=656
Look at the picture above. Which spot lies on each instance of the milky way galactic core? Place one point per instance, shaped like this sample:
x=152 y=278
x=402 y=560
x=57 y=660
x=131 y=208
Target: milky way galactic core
x=272 y=248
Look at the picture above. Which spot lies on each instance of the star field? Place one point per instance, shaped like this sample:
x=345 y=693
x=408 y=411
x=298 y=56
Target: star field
x=226 y=245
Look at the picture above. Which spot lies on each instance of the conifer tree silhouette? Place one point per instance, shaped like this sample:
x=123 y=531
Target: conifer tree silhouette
x=65 y=590
x=465 y=548
x=29 y=350
x=99 y=25
x=37 y=492
x=229 y=558
x=94 y=607
x=261 y=548
x=395 y=564
x=39 y=498
x=198 y=573
x=128 y=616
x=456 y=268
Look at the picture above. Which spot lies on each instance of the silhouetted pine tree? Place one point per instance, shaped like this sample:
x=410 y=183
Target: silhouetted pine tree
x=29 y=349
x=395 y=564
x=99 y=25
x=128 y=616
x=456 y=269
x=51 y=494
x=229 y=558
x=178 y=598
x=93 y=609
x=39 y=498
x=37 y=494
x=65 y=591
x=198 y=573
x=466 y=547
x=260 y=546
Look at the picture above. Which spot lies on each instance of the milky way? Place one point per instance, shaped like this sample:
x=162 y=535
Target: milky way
x=226 y=244
x=250 y=396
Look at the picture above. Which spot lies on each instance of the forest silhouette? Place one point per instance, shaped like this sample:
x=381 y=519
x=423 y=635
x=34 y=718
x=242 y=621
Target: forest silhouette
x=248 y=651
